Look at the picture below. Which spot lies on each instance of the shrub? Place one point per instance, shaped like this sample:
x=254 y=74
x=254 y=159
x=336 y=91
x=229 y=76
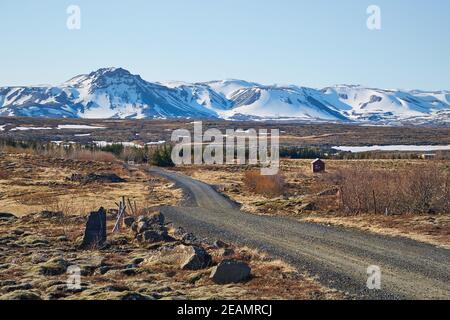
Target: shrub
x=271 y=186
x=416 y=190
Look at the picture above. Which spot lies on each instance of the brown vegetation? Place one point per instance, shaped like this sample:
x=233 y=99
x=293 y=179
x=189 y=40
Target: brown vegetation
x=271 y=186
x=415 y=190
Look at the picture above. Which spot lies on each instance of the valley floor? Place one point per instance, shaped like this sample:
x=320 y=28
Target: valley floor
x=44 y=207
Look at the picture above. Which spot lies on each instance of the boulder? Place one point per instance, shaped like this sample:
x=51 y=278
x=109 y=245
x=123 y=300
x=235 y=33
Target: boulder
x=230 y=271
x=196 y=259
x=152 y=236
x=95 y=232
x=186 y=257
x=144 y=223
x=53 y=267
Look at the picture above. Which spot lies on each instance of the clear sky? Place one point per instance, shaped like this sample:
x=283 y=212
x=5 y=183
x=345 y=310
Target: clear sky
x=310 y=43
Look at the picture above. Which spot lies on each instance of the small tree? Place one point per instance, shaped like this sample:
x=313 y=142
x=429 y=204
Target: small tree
x=162 y=157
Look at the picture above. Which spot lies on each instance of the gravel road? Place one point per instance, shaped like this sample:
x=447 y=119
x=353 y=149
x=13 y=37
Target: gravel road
x=339 y=257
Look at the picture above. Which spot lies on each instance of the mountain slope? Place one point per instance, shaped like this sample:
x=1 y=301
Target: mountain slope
x=116 y=93
x=360 y=103
x=105 y=93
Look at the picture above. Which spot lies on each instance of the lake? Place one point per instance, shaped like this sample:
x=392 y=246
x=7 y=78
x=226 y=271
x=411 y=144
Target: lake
x=410 y=148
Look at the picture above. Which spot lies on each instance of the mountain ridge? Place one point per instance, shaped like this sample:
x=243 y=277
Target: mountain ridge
x=117 y=93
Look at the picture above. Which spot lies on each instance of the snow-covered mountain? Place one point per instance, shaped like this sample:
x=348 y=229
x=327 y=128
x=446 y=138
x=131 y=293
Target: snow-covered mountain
x=116 y=93
x=365 y=104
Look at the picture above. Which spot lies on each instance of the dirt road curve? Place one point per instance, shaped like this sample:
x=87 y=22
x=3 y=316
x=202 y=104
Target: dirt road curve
x=339 y=257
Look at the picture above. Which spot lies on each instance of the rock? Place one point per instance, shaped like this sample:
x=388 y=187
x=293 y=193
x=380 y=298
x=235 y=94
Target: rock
x=128 y=221
x=95 y=232
x=4 y=283
x=186 y=238
x=50 y=283
x=16 y=287
x=230 y=271
x=140 y=226
x=219 y=244
x=114 y=288
x=20 y=295
x=18 y=232
x=226 y=252
x=4 y=266
x=137 y=261
x=50 y=214
x=144 y=223
x=195 y=277
x=7 y=216
x=152 y=236
x=307 y=207
x=134 y=296
x=62 y=239
x=198 y=259
x=128 y=272
x=104 y=269
x=7 y=239
x=190 y=239
x=61 y=290
x=186 y=257
x=87 y=269
x=53 y=267
x=39 y=258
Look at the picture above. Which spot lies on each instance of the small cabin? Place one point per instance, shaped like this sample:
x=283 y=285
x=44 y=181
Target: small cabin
x=317 y=166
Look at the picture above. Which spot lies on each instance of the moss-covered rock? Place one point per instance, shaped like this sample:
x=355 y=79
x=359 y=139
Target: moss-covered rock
x=53 y=267
x=21 y=295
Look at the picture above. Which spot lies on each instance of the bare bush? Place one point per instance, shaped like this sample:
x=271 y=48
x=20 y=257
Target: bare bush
x=271 y=186
x=415 y=190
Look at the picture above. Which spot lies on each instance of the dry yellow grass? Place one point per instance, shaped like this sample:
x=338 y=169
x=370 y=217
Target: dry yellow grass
x=32 y=183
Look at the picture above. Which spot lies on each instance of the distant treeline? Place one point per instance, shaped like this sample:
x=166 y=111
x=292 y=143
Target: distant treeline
x=161 y=154
x=329 y=153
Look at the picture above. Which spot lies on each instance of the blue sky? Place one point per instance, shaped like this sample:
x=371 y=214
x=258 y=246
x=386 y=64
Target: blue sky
x=310 y=43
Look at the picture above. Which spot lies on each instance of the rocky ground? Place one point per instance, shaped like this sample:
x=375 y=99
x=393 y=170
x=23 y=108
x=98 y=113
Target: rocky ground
x=44 y=203
x=40 y=253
